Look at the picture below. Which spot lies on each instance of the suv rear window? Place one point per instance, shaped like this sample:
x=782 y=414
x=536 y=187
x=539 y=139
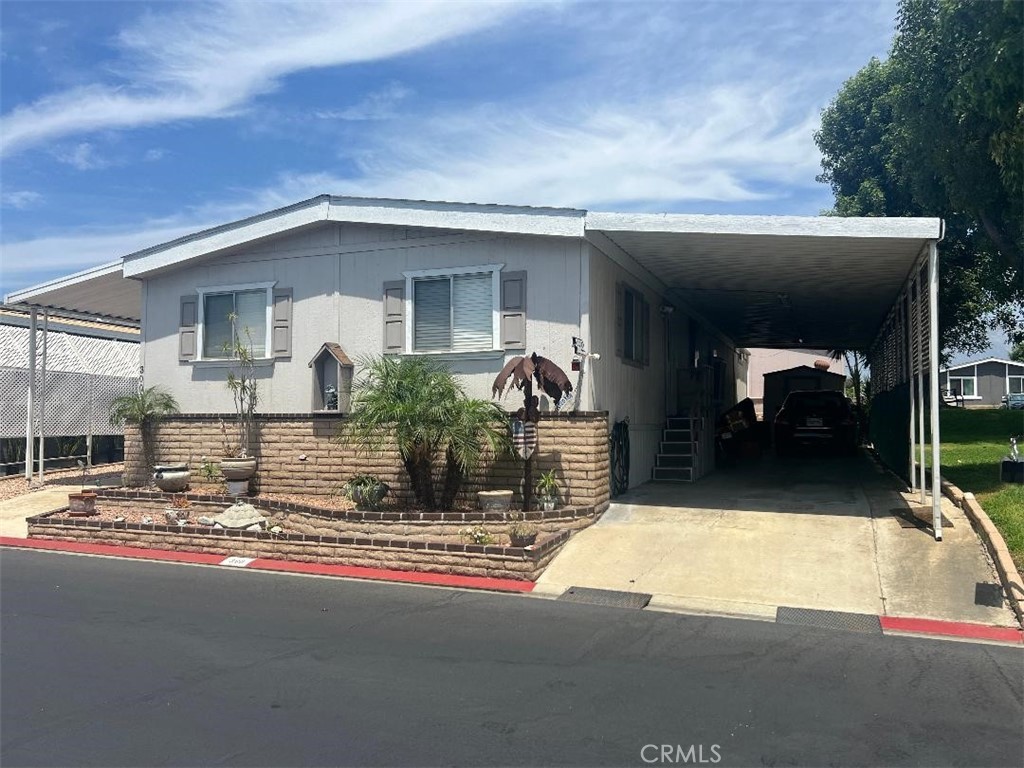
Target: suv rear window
x=827 y=402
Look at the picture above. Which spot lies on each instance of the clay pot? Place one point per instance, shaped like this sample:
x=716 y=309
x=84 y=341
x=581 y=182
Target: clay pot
x=81 y=504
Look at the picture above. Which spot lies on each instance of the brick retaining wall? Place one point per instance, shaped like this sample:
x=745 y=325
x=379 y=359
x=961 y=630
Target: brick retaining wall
x=397 y=554
x=310 y=520
x=299 y=455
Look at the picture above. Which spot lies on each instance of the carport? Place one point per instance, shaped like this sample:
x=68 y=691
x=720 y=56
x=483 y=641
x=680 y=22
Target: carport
x=866 y=284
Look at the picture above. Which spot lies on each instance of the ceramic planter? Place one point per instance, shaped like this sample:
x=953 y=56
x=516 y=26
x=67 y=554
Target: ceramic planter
x=81 y=504
x=547 y=504
x=495 y=501
x=238 y=469
x=171 y=478
x=523 y=539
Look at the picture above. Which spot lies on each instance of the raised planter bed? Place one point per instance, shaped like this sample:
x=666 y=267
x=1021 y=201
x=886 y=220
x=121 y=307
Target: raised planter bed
x=402 y=540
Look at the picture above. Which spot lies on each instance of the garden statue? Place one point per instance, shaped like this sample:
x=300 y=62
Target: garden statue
x=520 y=372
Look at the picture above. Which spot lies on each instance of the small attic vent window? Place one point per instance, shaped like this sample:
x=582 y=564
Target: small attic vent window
x=332 y=379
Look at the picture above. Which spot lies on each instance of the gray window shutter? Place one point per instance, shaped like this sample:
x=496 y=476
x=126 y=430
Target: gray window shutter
x=281 y=333
x=620 y=319
x=394 y=316
x=645 y=331
x=188 y=325
x=513 y=310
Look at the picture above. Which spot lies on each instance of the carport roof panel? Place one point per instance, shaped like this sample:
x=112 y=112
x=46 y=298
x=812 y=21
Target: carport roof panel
x=101 y=291
x=778 y=281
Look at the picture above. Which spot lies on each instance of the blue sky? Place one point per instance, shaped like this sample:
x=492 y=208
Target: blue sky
x=127 y=124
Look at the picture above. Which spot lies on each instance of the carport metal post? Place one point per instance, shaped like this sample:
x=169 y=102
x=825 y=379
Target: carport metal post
x=42 y=397
x=933 y=375
x=30 y=398
x=910 y=387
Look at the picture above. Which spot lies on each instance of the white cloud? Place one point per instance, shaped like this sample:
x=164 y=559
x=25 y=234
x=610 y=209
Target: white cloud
x=379 y=105
x=208 y=61
x=152 y=155
x=724 y=144
x=21 y=199
x=82 y=156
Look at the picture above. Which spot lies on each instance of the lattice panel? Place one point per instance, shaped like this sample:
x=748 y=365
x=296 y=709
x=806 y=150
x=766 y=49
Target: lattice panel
x=74 y=403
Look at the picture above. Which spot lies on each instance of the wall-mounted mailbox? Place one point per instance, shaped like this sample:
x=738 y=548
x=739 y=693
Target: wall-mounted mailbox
x=332 y=379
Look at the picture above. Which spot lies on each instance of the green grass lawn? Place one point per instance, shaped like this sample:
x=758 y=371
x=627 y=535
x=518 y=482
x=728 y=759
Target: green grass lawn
x=973 y=442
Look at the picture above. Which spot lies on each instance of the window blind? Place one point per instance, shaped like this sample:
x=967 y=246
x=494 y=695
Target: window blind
x=472 y=312
x=432 y=320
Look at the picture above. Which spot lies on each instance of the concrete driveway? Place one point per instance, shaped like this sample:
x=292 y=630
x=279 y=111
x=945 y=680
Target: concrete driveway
x=808 y=532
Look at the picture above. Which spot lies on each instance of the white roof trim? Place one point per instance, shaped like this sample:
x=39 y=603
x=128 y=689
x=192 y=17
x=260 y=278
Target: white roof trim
x=558 y=222
x=980 y=362
x=25 y=295
x=792 y=226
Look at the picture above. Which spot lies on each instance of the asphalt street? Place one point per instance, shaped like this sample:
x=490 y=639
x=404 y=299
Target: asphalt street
x=116 y=663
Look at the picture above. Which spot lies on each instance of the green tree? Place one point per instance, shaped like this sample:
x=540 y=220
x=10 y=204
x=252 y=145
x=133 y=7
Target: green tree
x=417 y=403
x=1017 y=352
x=938 y=130
x=145 y=409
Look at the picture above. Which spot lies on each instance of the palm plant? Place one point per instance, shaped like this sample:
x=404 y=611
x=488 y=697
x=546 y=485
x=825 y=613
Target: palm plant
x=144 y=408
x=417 y=403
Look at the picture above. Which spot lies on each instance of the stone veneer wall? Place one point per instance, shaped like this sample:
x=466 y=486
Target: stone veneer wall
x=299 y=455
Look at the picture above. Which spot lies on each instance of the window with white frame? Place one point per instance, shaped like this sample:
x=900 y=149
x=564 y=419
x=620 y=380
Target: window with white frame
x=230 y=313
x=1014 y=384
x=453 y=310
x=964 y=382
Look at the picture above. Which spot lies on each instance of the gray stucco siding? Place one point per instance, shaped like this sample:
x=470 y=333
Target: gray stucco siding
x=337 y=274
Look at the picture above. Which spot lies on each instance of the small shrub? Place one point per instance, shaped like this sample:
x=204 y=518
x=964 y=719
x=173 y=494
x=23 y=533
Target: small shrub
x=477 y=535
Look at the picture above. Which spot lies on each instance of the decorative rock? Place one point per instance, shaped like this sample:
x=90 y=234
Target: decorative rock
x=120 y=519
x=240 y=515
x=218 y=525
x=206 y=521
x=174 y=517
x=147 y=520
x=277 y=529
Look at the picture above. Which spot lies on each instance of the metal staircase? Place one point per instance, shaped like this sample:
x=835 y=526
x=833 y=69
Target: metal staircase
x=682 y=453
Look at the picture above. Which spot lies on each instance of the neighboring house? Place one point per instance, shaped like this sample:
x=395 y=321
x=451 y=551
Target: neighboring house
x=983 y=382
x=668 y=301
x=778 y=384
x=81 y=366
x=765 y=361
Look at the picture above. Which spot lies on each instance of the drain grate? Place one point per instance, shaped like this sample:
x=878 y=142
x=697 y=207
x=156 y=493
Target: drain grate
x=810 y=617
x=609 y=597
x=988 y=594
x=917 y=517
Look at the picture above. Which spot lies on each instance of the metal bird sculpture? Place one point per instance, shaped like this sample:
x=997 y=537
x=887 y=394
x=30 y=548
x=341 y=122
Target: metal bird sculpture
x=520 y=372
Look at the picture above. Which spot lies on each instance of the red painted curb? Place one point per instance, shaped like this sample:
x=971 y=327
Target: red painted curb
x=286 y=566
x=952 y=629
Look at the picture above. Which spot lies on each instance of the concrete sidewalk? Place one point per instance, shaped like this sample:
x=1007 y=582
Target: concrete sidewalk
x=810 y=532
x=13 y=512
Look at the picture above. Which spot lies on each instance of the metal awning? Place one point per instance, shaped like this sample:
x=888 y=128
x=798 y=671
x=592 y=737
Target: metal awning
x=100 y=292
x=776 y=281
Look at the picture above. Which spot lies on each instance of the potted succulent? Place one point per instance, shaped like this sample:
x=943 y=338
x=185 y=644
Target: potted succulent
x=366 y=491
x=237 y=466
x=520 y=532
x=547 y=490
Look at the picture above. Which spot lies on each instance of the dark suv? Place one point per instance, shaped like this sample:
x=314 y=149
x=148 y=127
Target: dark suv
x=816 y=417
